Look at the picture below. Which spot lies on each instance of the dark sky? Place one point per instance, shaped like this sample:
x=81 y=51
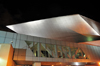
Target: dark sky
x=23 y=11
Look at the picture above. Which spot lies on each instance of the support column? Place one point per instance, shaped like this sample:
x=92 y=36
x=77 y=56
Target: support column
x=39 y=49
x=61 y=51
x=69 y=52
x=36 y=64
x=65 y=52
x=55 y=49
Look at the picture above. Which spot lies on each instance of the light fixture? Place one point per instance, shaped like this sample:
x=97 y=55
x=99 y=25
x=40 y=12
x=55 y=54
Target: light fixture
x=99 y=63
x=76 y=63
x=89 y=38
x=60 y=63
x=0 y=59
x=84 y=55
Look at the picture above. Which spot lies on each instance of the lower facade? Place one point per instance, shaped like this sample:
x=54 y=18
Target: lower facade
x=10 y=56
x=23 y=50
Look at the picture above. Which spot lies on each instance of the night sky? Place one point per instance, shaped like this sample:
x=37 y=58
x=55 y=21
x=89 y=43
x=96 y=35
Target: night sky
x=14 y=12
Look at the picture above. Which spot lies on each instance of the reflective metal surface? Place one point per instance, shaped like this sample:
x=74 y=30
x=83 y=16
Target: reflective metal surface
x=94 y=43
x=95 y=25
x=72 y=28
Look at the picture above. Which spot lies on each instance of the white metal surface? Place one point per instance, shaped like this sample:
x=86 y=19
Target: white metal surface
x=66 y=27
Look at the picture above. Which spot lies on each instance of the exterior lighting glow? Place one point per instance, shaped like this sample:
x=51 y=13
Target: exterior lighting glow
x=89 y=38
x=99 y=63
x=35 y=54
x=52 y=65
x=84 y=55
x=76 y=63
x=2 y=62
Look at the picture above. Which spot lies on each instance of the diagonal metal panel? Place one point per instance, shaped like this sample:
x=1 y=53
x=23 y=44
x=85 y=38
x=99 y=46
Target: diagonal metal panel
x=66 y=27
x=94 y=43
x=95 y=25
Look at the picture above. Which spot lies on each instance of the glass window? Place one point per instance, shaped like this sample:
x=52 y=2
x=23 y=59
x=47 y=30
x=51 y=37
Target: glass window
x=35 y=48
x=73 y=52
x=50 y=50
x=44 y=52
x=2 y=33
x=66 y=52
x=84 y=55
x=9 y=35
x=29 y=48
x=78 y=54
x=59 y=52
x=2 y=39
x=53 y=51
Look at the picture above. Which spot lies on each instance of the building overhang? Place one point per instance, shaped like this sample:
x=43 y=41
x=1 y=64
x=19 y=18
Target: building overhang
x=72 y=28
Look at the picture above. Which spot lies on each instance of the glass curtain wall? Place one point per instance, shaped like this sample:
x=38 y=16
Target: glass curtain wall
x=48 y=50
x=66 y=52
x=55 y=51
